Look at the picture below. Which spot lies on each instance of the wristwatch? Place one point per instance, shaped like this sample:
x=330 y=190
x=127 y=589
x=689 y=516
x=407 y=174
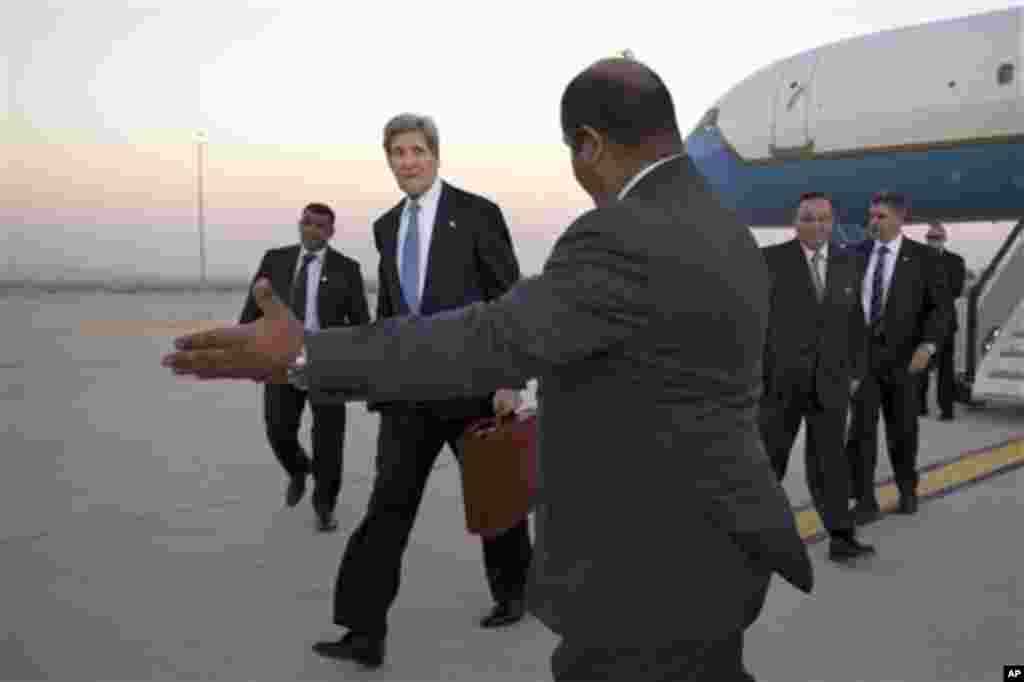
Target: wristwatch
x=297 y=371
x=929 y=347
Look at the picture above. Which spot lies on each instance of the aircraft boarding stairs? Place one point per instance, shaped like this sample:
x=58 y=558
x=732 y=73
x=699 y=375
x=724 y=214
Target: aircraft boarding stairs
x=990 y=346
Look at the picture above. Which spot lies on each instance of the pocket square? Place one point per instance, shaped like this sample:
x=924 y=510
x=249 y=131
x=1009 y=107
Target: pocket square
x=451 y=224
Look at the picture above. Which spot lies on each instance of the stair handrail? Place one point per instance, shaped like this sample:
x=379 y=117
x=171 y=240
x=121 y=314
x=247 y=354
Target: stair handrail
x=974 y=298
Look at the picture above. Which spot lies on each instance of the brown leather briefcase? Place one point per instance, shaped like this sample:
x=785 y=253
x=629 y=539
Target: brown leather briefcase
x=498 y=461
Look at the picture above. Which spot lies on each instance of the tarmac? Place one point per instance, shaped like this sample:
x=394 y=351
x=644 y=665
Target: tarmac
x=143 y=535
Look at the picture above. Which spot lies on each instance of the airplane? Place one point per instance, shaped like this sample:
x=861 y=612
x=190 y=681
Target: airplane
x=934 y=111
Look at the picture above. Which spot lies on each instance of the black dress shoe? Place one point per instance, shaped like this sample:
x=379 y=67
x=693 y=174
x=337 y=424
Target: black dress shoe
x=296 y=489
x=504 y=613
x=325 y=521
x=354 y=646
x=946 y=417
x=908 y=503
x=846 y=547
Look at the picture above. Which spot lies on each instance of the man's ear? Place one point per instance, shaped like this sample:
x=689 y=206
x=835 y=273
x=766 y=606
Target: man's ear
x=591 y=145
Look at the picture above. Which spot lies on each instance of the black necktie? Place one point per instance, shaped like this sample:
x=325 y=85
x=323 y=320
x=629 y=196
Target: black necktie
x=299 y=288
x=878 y=285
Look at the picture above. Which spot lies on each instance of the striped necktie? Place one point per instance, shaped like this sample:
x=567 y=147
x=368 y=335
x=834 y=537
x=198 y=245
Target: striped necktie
x=878 y=285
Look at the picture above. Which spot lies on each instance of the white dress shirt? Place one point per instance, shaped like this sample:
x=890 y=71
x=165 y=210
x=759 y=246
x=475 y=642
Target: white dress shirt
x=428 y=212
x=312 y=321
x=643 y=172
x=869 y=274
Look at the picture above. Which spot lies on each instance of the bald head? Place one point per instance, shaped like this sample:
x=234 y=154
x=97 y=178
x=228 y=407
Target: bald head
x=624 y=100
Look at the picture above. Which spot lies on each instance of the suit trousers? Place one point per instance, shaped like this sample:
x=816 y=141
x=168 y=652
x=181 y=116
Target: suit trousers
x=282 y=412
x=718 y=660
x=371 y=566
x=826 y=467
x=943 y=363
x=896 y=396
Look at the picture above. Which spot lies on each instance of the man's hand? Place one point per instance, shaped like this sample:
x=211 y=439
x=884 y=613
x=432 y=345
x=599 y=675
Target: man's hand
x=506 y=401
x=920 y=361
x=854 y=386
x=260 y=351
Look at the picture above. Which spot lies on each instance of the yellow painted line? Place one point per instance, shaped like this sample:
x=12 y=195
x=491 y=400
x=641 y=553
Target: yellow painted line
x=146 y=327
x=962 y=470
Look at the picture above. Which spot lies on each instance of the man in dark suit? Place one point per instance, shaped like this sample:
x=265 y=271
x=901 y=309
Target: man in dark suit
x=907 y=308
x=956 y=272
x=814 y=358
x=441 y=248
x=325 y=290
x=646 y=329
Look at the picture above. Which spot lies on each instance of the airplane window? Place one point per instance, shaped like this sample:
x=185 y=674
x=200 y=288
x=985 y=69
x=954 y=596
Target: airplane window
x=1005 y=74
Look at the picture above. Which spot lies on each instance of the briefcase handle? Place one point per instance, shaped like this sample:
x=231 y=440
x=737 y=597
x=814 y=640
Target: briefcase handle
x=480 y=428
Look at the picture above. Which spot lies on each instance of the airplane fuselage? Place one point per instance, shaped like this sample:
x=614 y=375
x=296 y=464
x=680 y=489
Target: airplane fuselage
x=935 y=112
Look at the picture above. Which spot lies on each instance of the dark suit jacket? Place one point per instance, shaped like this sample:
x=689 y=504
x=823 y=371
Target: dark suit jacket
x=918 y=309
x=341 y=294
x=470 y=259
x=956 y=273
x=646 y=329
x=828 y=338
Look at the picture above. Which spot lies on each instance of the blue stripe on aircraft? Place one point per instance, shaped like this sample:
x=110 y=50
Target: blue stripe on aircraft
x=969 y=182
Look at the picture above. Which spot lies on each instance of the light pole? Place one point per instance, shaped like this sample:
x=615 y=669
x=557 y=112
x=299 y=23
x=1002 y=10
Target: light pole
x=200 y=143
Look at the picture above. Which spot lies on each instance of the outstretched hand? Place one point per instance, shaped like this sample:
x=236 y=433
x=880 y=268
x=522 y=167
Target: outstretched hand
x=261 y=350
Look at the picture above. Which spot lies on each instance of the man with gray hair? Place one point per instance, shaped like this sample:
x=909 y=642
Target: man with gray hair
x=441 y=248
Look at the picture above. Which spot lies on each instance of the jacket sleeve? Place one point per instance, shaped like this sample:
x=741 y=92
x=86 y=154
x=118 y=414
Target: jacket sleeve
x=496 y=260
x=858 y=329
x=385 y=306
x=938 y=301
x=591 y=296
x=958 y=276
x=768 y=352
x=495 y=255
x=360 y=310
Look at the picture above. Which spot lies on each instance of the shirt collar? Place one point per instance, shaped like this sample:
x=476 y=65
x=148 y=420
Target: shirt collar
x=428 y=200
x=893 y=246
x=643 y=173
x=810 y=254
x=317 y=255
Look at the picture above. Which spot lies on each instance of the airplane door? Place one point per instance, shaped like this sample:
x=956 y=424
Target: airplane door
x=793 y=106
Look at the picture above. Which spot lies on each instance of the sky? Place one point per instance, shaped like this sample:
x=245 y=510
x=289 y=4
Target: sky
x=103 y=101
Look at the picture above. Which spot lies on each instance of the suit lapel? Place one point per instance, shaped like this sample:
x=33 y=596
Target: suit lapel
x=328 y=270
x=287 y=268
x=904 y=262
x=443 y=220
x=800 y=264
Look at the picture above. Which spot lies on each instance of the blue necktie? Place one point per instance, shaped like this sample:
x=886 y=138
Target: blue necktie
x=410 y=275
x=878 y=285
